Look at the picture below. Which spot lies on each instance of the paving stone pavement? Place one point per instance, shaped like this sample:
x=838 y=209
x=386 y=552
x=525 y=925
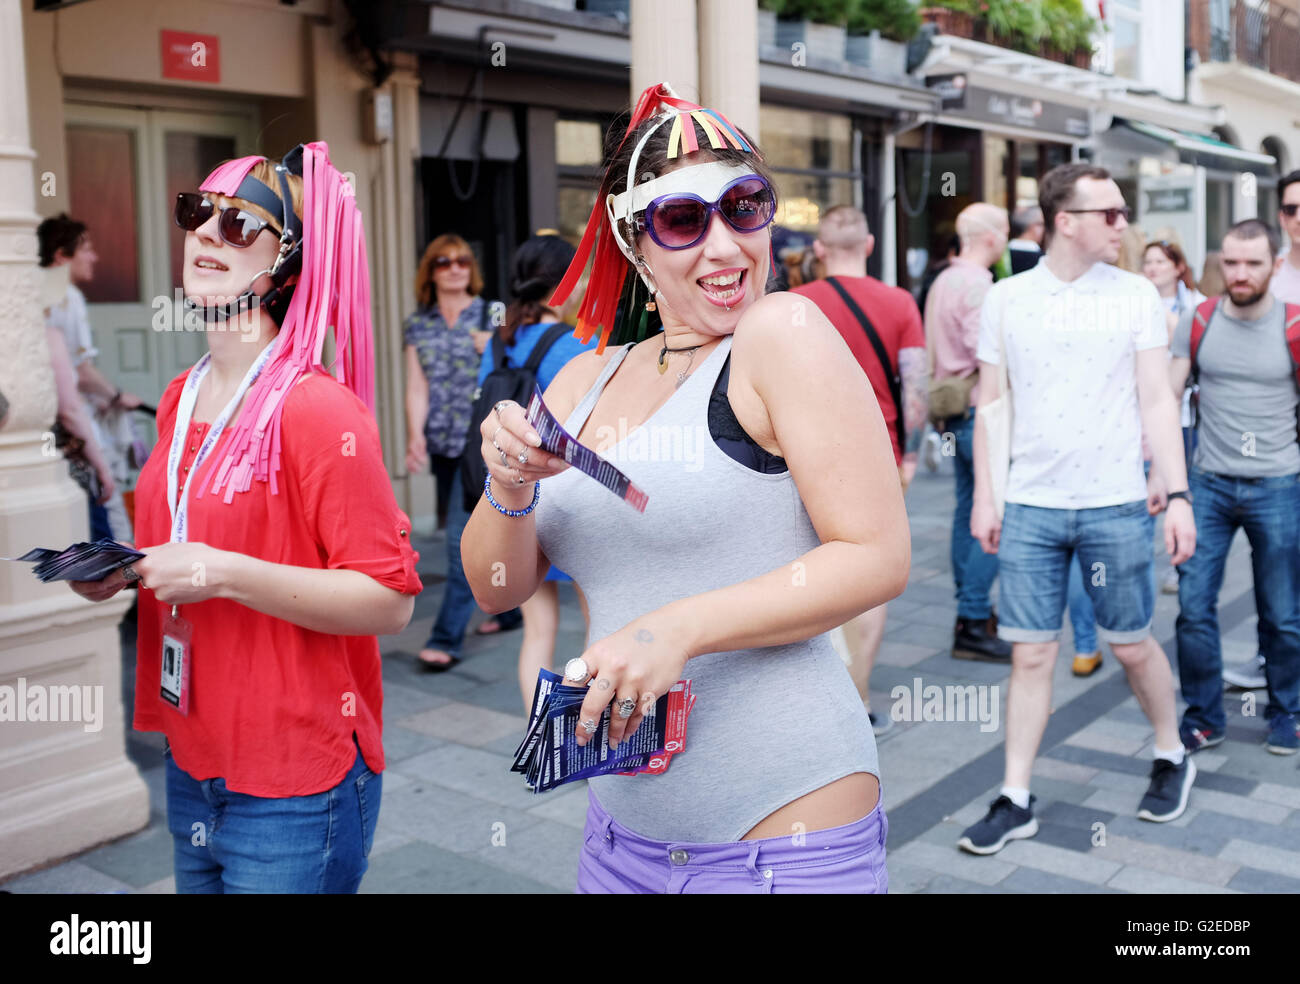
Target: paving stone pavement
x=454 y=819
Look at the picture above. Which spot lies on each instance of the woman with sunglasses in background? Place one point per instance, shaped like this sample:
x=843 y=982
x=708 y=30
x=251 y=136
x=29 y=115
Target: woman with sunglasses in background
x=445 y=340
x=279 y=550
x=785 y=521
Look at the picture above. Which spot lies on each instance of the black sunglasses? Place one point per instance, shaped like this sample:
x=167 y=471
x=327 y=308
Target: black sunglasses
x=1290 y=209
x=1111 y=214
x=236 y=226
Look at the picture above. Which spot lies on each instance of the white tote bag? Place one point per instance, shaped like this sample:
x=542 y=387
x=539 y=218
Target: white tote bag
x=997 y=424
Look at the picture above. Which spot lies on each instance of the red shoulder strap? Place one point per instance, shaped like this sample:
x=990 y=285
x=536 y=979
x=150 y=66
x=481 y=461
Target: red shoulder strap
x=1292 y=316
x=1204 y=312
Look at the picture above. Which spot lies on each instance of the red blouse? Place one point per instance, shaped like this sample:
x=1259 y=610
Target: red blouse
x=274 y=706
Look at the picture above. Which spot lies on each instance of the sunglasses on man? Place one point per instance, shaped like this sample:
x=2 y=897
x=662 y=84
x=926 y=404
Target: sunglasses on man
x=681 y=220
x=237 y=227
x=1112 y=214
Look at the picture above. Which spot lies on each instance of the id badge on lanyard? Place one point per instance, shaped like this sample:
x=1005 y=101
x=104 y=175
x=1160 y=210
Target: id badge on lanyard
x=177 y=633
x=177 y=645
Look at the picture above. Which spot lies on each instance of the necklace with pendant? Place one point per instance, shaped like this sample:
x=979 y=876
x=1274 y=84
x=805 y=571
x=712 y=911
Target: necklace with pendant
x=681 y=374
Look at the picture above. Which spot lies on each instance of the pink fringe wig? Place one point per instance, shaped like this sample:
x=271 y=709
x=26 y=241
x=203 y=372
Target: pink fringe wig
x=333 y=290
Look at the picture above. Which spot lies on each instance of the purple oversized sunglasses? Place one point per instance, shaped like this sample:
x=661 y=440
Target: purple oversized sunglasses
x=681 y=220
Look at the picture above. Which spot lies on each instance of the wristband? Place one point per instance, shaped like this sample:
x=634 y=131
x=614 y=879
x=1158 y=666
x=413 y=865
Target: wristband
x=487 y=491
x=1186 y=495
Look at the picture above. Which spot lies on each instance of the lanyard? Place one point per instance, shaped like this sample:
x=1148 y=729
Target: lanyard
x=178 y=504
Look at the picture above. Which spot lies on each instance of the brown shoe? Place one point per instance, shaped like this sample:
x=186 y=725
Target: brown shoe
x=1086 y=664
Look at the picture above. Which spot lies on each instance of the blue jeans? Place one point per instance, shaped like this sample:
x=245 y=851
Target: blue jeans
x=973 y=570
x=1083 y=618
x=1268 y=509
x=234 y=843
x=458 y=604
x=1037 y=549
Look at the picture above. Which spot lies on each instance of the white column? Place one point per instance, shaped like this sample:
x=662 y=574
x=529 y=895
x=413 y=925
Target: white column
x=65 y=785
x=729 y=60
x=664 y=45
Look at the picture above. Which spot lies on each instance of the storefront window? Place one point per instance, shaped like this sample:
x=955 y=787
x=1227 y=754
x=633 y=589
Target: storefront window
x=996 y=168
x=812 y=157
x=1125 y=21
x=102 y=194
x=1218 y=208
x=578 y=158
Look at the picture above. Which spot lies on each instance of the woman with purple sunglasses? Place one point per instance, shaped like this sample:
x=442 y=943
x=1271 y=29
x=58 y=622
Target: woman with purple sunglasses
x=774 y=515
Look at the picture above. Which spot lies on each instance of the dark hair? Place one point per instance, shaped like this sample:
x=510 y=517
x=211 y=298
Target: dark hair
x=59 y=235
x=651 y=164
x=1024 y=217
x=1056 y=190
x=1285 y=181
x=1175 y=256
x=1253 y=229
x=538 y=267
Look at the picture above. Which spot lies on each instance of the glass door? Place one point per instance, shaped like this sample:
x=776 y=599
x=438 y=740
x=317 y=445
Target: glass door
x=125 y=168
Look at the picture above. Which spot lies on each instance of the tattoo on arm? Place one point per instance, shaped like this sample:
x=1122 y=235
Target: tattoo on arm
x=644 y=636
x=914 y=370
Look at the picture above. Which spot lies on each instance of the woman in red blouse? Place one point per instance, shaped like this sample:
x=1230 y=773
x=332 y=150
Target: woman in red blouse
x=278 y=550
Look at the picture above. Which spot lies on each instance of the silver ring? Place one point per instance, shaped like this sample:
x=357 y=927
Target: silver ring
x=520 y=480
x=577 y=669
x=589 y=725
x=494 y=436
x=505 y=460
x=497 y=408
x=626 y=707
x=523 y=456
x=129 y=574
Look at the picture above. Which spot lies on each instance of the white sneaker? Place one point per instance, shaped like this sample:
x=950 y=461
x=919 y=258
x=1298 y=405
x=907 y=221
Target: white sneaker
x=1169 y=584
x=933 y=447
x=1247 y=677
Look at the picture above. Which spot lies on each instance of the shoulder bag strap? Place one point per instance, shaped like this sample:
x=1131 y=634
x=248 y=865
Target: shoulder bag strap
x=891 y=372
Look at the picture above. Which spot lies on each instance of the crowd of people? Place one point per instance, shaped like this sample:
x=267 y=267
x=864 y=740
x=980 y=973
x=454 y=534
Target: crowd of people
x=1078 y=400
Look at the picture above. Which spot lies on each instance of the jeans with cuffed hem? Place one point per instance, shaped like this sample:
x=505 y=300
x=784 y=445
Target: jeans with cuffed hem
x=973 y=570
x=842 y=860
x=1268 y=509
x=1113 y=545
x=229 y=843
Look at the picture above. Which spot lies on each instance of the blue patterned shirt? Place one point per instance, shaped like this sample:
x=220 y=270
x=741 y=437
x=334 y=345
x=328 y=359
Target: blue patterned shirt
x=450 y=365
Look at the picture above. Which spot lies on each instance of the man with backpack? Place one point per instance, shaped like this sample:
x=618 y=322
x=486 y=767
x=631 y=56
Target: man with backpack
x=1241 y=353
x=882 y=328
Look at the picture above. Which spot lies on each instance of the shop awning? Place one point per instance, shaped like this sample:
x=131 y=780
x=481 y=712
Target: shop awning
x=1194 y=148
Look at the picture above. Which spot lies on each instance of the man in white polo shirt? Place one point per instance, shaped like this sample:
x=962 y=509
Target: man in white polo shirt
x=1085 y=349
x=1285 y=285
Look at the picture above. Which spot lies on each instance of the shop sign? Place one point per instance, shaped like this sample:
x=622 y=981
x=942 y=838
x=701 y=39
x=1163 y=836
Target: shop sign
x=191 y=57
x=991 y=106
x=1168 y=200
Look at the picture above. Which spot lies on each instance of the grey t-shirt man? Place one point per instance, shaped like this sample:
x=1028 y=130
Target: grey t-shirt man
x=1248 y=394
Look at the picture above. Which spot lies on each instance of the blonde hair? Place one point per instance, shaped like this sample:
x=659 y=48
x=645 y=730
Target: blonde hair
x=1132 y=247
x=1212 y=283
x=265 y=172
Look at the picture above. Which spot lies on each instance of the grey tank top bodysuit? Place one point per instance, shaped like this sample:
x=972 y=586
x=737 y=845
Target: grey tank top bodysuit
x=770 y=724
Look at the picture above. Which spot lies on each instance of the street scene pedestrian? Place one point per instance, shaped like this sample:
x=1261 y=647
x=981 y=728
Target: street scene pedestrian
x=346 y=338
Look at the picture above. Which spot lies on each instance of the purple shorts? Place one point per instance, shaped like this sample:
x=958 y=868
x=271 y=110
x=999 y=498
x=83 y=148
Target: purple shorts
x=841 y=860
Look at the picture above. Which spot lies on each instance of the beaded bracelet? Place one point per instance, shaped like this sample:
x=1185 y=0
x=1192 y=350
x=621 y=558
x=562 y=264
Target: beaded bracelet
x=487 y=491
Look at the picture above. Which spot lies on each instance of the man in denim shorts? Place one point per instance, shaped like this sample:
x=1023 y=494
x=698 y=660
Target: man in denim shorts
x=1085 y=350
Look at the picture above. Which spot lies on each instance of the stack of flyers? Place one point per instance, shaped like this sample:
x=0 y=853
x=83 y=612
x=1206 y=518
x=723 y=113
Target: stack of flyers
x=79 y=562
x=562 y=444
x=550 y=756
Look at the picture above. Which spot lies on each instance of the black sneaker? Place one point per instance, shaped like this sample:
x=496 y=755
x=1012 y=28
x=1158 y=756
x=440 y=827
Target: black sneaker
x=1005 y=821
x=1166 y=797
x=1194 y=739
x=977 y=639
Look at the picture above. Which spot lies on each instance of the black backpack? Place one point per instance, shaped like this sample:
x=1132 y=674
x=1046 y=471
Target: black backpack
x=502 y=383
